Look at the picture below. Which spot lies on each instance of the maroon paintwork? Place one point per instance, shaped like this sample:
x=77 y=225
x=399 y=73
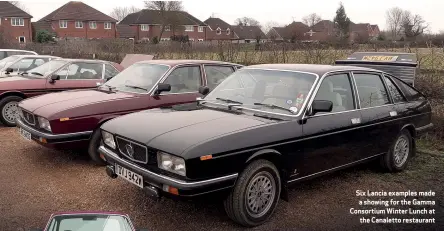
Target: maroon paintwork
x=88 y=109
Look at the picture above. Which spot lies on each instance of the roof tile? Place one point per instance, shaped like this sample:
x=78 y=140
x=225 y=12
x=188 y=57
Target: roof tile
x=75 y=10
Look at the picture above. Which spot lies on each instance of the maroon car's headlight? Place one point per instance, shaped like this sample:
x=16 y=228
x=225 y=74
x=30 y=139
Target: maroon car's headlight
x=44 y=123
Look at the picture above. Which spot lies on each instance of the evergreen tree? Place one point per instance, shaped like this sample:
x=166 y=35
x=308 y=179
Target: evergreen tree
x=342 y=23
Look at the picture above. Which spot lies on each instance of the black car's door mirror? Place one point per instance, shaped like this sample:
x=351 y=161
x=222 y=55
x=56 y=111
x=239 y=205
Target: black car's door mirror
x=8 y=70
x=161 y=87
x=204 y=90
x=54 y=78
x=321 y=106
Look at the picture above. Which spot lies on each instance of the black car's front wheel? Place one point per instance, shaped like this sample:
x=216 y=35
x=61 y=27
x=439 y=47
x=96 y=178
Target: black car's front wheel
x=9 y=110
x=93 y=147
x=396 y=158
x=255 y=195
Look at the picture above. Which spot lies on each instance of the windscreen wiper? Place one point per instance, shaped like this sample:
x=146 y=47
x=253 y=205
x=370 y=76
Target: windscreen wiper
x=136 y=87
x=110 y=88
x=36 y=73
x=229 y=100
x=267 y=117
x=273 y=106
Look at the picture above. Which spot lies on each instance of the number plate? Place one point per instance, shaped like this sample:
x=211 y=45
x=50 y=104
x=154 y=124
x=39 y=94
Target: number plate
x=129 y=176
x=380 y=58
x=26 y=135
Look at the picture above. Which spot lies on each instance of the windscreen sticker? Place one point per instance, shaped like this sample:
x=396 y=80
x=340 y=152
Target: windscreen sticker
x=289 y=101
x=299 y=100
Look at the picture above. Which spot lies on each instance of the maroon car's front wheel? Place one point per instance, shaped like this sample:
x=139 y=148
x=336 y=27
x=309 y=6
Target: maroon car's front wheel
x=9 y=110
x=94 y=145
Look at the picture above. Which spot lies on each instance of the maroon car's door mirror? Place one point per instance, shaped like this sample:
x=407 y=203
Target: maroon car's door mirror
x=321 y=106
x=9 y=70
x=161 y=87
x=54 y=78
x=204 y=90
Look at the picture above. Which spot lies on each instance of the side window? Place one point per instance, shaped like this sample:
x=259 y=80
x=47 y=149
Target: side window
x=216 y=74
x=82 y=71
x=110 y=71
x=2 y=55
x=338 y=89
x=184 y=79
x=409 y=91
x=371 y=90
x=394 y=91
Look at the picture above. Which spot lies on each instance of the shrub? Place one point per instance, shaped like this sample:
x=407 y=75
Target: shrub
x=43 y=36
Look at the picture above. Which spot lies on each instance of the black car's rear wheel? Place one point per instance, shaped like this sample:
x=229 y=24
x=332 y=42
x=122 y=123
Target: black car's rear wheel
x=400 y=152
x=255 y=195
x=93 y=147
x=9 y=110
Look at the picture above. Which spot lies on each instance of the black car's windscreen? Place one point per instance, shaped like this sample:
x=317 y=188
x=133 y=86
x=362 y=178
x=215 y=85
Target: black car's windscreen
x=286 y=89
x=89 y=222
x=46 y=68
x=138 y=78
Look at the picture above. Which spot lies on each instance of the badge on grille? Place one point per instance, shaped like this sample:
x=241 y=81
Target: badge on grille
x=129 y=150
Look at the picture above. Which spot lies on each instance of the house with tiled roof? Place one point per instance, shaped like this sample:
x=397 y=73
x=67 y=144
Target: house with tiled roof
x=15 y=24
x=218 y=29
x=147 y=24
x=325 y=30
x=77 y=20
x=293 y=31
x=249 y=34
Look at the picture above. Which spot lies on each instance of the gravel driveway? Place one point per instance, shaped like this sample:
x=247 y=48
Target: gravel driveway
x=35 y=182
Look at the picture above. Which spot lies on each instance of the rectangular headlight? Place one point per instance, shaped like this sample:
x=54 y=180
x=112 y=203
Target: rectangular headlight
x=44 y=123
x=171 y=163
x=108 y=139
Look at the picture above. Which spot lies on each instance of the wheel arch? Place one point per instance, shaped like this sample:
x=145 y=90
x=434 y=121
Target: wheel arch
x=12 y=93
x=412 y=130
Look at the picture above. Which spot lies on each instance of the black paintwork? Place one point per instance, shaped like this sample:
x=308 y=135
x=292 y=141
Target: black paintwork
x=301 y=147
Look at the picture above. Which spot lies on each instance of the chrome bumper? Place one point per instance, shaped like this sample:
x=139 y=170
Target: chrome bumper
x=49 y=136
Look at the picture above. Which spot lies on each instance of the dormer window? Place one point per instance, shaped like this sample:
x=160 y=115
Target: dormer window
x=228 y=31
x=218 y=31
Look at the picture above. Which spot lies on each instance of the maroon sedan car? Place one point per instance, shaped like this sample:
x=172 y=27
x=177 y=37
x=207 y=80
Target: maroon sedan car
x=71 y=119
x=53 y=76
x=86 y=221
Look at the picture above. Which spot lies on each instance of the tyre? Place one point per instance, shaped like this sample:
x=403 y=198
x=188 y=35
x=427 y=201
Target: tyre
x=256 y=194
x=395 y=160
x=9 y=110
x=94 y=144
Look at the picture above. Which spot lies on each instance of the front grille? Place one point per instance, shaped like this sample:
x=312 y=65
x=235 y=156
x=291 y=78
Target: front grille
x=133 y=151
x=28 y=117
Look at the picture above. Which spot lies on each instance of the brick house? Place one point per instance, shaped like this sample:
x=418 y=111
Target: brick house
x=249 y=34
x=325 y=30
x=363 y=32
x=15 y=24
x=218 y=29
x=291 y=32
x=77 y=20
x=147 y=24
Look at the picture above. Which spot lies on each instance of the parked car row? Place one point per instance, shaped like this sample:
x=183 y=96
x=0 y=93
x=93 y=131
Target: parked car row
x=245 y=132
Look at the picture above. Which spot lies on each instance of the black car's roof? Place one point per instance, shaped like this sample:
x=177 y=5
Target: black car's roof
x=310 y=68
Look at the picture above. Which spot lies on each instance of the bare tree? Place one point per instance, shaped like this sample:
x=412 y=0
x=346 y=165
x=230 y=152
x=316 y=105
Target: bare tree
x=311 y=19
x=246 y=21
x=412 y=25
x=20 y=5
x=120 y=13
x=394 y=21
x=167 y=18
x=268 y=25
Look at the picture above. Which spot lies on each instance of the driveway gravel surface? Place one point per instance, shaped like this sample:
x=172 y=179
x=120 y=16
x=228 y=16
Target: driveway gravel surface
x=35 y=182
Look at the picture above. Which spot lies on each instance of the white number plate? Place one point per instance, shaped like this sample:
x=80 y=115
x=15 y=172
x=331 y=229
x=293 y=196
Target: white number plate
x=129 y=176
x=25 y=134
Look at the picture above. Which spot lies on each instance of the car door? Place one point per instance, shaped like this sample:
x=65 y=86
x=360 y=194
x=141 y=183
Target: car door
x=185 y=81
x=215 y=74
x=77 y=75
x=331 y=139
x=379 y=114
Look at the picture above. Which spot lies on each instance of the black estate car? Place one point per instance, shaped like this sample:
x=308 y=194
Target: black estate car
x=264 y=127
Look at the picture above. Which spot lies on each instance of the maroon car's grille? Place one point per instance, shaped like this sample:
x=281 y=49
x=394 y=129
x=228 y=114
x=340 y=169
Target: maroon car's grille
x=133 y=151
x=28 y=117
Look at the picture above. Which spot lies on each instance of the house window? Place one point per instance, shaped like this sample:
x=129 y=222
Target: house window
x=200 y=29
x=191 y=39
x=22 y=39
x=218 y=31
x=200 y=40
x=165 y=39
x=92 y=25
x=63 y=24
x=189 y=28
x=79 y=24
x=107 y=25
x=144 y=27
x=17 y=22
x=167 y=28
x=228 y=31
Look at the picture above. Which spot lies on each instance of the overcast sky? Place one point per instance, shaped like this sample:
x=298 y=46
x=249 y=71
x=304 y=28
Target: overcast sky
x=280 y=11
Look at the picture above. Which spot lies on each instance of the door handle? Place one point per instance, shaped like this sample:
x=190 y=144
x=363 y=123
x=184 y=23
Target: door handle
x=393 y=113
x=356 y=120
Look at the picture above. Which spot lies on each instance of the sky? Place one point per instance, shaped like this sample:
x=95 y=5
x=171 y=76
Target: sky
x=281 y=12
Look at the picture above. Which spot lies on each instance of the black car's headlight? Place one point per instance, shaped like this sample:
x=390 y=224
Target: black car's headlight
x=108 y=139
x=44 y=123
x=171 y=163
